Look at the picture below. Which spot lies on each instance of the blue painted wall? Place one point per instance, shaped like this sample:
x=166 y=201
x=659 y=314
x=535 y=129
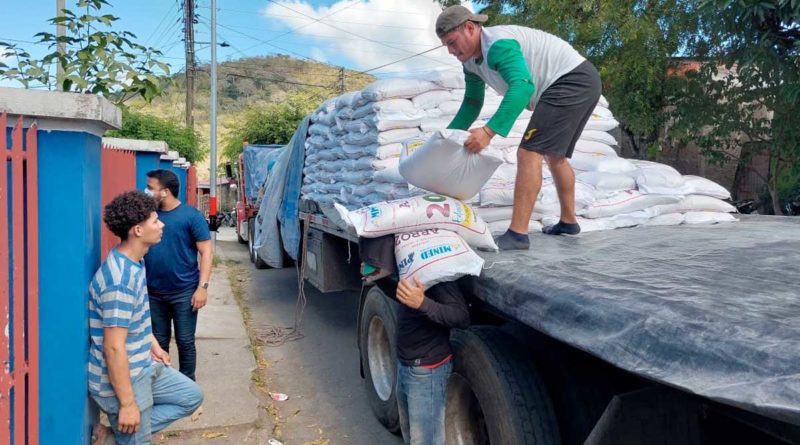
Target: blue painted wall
x=165 y=165
x=145 y=161
x=69 y=252
x=181 y=172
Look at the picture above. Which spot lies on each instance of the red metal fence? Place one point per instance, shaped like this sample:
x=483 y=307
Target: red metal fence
x=118 y=175
x=191 y=186
x=19 y=287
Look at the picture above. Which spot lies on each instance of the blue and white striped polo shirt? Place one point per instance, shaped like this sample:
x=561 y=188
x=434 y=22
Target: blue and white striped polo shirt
x=118 y=298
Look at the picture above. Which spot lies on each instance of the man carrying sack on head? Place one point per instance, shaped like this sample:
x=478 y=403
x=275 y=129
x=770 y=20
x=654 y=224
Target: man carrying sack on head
x=530 y=69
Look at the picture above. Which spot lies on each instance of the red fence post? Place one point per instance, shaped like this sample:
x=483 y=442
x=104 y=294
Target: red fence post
x=118 y=175
x=18 y=265
x=5 y=364
x=32 y=204
x=19 y=315
x=191 y=186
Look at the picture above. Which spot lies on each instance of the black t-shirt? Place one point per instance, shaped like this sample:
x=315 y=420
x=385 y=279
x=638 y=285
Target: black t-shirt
x=423 y=335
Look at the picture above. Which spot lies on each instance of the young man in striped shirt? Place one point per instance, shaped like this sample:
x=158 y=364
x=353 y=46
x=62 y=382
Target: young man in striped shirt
x=129 y=373
x=535 y=70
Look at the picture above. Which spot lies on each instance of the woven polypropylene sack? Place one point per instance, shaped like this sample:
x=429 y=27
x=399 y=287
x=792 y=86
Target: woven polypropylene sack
x=434 y=256
x=419 y=213
x=442 y=165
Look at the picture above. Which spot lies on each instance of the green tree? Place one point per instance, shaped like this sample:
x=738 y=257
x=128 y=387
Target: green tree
x=141 y=126
x=272 y=124
x=748 y=93
x=95 y=61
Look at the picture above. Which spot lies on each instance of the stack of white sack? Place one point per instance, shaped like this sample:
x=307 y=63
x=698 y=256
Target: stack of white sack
x=433 y=235
x=354 y=142
x=610 y=192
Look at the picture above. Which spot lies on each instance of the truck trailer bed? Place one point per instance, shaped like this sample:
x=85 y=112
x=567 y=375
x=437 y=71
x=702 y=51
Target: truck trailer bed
x=712 y=310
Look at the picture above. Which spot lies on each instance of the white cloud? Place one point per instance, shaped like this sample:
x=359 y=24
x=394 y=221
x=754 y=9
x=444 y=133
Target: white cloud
x=318 y=55
x=366 y=33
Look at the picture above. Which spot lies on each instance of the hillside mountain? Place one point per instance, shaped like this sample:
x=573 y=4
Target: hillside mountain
x=244 y=84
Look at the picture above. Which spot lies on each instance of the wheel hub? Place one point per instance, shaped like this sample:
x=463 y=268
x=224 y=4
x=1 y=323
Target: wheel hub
x=381 y=363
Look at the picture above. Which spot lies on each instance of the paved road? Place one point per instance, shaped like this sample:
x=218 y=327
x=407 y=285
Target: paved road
x=320 y=372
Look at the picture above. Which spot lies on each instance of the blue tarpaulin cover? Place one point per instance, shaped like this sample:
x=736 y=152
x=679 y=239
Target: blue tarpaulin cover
x=257 y=160
x=285 y=176
x=289 y=216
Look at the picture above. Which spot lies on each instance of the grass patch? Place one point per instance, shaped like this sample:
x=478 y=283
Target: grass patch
x=237 y=277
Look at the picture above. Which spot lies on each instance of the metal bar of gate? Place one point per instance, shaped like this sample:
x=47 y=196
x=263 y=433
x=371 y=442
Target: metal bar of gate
x=5 y=365
x=32 y=321
x=18 y=265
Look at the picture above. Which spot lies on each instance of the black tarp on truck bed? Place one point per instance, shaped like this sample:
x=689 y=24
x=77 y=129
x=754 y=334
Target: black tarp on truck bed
x=713 y=310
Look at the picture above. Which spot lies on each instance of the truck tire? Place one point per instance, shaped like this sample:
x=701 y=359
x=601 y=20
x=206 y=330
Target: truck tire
x=254 y=258
x=495 y=395
x=238 y=234
x=258 y=262
x=376 y=337
x=251 y=239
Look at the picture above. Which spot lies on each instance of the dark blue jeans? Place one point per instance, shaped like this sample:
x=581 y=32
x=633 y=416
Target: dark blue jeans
x=421 y=399
x=176 y=310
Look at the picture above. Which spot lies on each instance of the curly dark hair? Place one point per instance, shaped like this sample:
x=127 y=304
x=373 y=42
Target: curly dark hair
x=127 y=210
x=169 y=180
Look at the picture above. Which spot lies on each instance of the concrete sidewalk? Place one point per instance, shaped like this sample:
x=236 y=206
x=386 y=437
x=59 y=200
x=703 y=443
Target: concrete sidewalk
x=231 y=412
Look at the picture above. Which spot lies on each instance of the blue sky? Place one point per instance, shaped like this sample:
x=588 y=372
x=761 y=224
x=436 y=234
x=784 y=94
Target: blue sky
x=356 y=34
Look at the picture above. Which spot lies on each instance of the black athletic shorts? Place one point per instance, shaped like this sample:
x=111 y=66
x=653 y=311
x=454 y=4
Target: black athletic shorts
x=562 y=112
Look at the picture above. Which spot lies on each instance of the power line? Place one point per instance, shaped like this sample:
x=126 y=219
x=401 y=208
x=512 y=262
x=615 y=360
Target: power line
x=163 y=18
x=354 y=34
x=167 y=31
x=401 y=60
x=315 y=21
x=324 y=36
x=240 y=52
x=349 y=49
x=266 y=43
x=417 y=28
x=290 y=82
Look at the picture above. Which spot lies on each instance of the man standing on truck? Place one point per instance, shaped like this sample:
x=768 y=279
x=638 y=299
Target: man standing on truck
x=178 y=290
x=424 y=354
x=129 y=373
x=532 y=69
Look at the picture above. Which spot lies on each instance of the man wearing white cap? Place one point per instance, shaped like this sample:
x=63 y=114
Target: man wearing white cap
x=531 y=69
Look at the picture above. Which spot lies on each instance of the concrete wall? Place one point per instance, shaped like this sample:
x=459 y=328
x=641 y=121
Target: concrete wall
x=69 y=144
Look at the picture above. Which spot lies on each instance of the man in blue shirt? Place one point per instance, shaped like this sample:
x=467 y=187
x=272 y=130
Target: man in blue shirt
x=177 y=288
x=129 y=373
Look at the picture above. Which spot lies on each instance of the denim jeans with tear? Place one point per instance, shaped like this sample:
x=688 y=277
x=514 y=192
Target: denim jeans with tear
x=163 y=396
x=421 y=398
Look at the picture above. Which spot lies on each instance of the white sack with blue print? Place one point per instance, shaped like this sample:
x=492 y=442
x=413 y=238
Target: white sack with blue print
x=434 y=256
x=419 y=213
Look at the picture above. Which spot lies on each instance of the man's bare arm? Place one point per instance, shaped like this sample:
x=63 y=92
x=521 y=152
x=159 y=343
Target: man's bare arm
x=119 y=375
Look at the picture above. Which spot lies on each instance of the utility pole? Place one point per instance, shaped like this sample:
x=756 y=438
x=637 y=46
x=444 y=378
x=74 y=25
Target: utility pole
x=188 y=29
x=212 y=211
x=62 y=49
x=341 y=80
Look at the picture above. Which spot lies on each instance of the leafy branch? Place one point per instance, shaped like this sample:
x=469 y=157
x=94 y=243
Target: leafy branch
x=94 y=61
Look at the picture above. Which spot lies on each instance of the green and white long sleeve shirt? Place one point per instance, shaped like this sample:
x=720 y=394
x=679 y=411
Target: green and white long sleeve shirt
x=519 y=63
